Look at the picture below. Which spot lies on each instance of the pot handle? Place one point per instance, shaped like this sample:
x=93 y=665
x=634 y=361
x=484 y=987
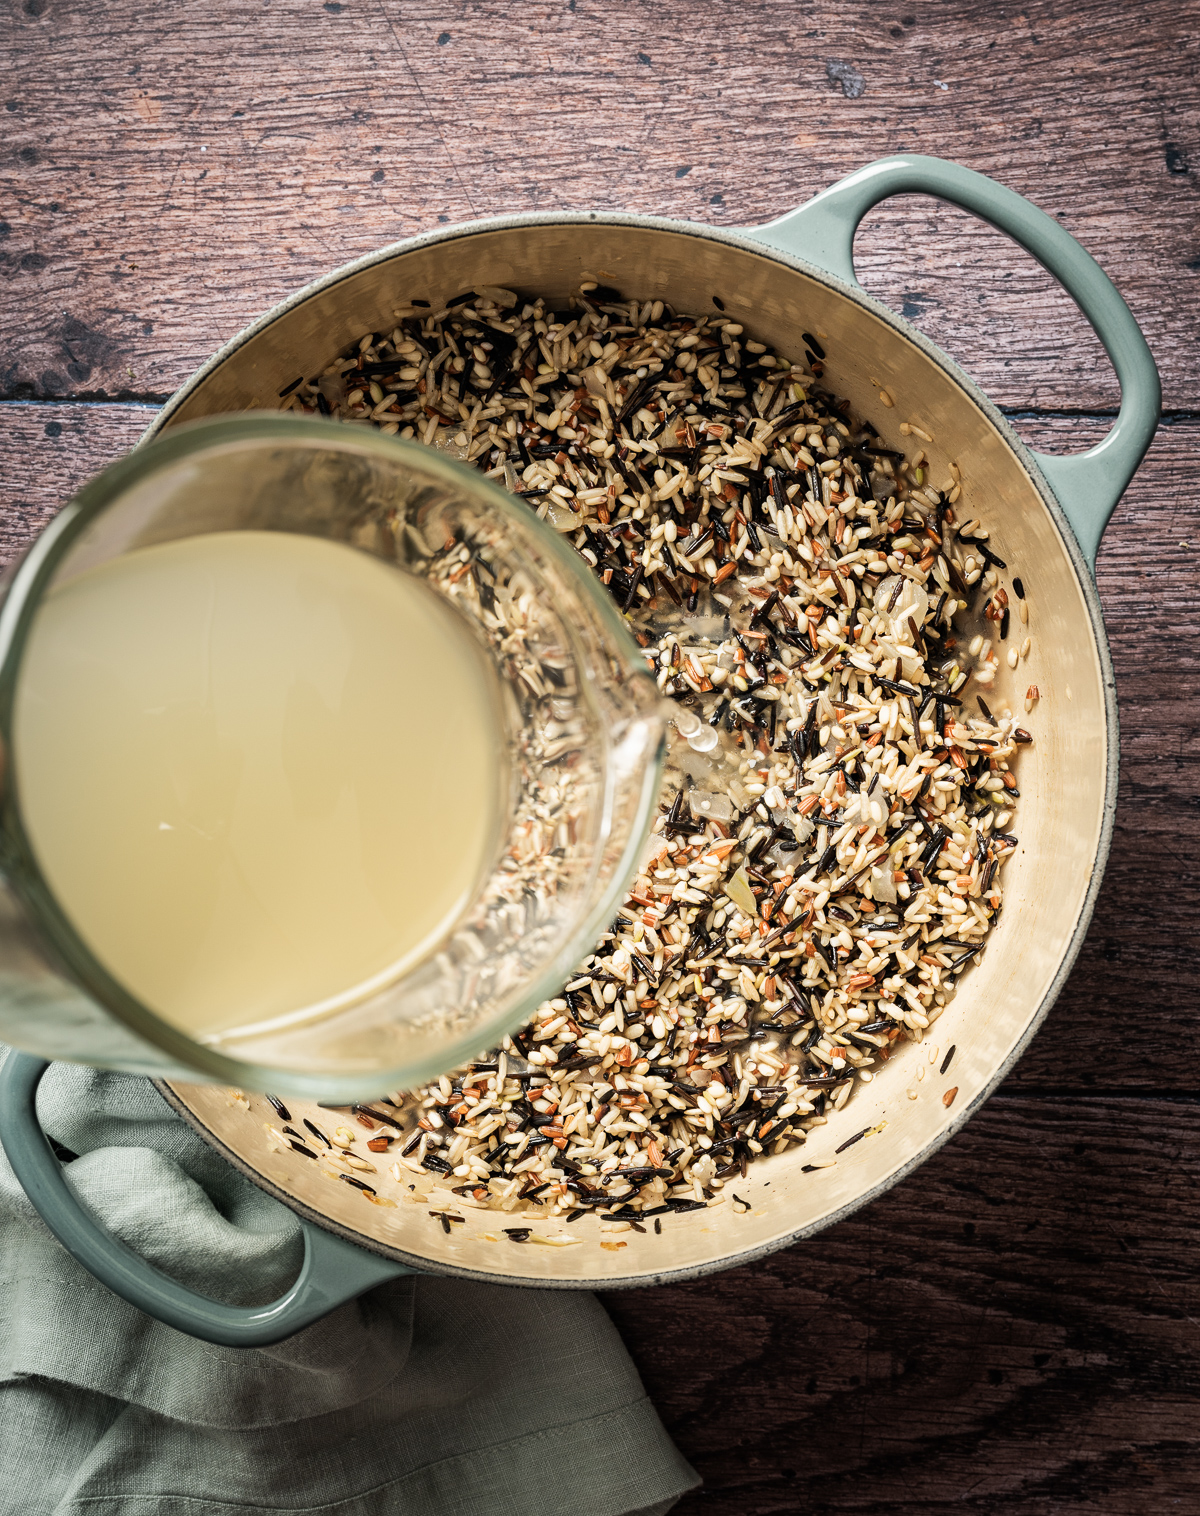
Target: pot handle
x=1089 y=484
x=334 y=1271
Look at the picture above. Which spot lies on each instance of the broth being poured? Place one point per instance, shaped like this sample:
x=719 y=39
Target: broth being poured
x=260 y=771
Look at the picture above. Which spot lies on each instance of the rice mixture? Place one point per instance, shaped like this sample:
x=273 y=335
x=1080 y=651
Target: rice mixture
x=799 y=590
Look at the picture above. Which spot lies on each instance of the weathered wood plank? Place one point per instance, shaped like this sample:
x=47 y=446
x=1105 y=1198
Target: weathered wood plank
x=163 y=187
x=1012 y=1329
x=48 y=451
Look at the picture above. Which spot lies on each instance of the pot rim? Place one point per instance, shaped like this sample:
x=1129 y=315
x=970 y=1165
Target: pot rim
x=743 y=240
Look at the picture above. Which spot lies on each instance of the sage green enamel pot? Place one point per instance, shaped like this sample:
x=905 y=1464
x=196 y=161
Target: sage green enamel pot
x=1046 y=516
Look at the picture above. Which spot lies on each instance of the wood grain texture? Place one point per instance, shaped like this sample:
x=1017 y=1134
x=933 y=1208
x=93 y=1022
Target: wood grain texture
x=173 y=171
x=48 y=451
x=1012 y=1330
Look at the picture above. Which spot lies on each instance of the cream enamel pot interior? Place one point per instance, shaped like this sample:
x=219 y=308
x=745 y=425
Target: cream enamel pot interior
x=1045 y=516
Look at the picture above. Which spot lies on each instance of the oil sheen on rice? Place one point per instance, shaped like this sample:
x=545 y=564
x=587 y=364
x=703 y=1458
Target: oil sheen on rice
x=260 y=771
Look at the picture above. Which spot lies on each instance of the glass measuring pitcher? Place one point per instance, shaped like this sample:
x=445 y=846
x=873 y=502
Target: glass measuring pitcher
x=579 y=719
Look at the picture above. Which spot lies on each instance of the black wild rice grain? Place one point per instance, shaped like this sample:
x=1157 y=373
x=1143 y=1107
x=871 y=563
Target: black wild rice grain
x=357 y=1183
x=978 y=545
x=378 y=1115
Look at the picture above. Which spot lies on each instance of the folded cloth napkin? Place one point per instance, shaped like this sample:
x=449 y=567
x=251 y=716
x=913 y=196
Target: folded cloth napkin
x=427 y=1396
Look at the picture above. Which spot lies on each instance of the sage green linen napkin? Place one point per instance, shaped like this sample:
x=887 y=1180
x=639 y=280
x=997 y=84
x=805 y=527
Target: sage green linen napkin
x=427 y=1396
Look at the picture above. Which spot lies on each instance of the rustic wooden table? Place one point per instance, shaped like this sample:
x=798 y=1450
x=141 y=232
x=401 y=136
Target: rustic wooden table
x=1013 y=1328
